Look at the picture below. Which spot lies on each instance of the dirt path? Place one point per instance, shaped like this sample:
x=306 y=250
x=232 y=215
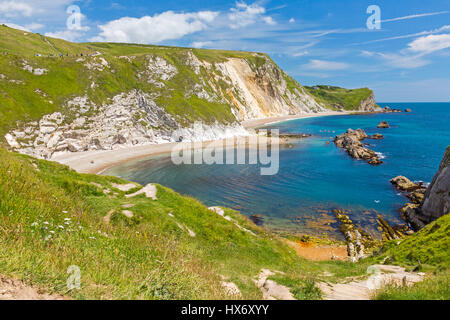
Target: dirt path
x=270 y=289
x=366 y=289
x=11 y=289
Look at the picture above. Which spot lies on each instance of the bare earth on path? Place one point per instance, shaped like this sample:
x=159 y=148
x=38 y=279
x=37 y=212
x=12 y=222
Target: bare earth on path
x=367 y=288
x=11 y=289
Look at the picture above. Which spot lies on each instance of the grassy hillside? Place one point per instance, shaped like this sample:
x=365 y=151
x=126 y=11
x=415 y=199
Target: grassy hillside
x=430 y=246
x=348 y=99
x=427 y=250
x=52 y=217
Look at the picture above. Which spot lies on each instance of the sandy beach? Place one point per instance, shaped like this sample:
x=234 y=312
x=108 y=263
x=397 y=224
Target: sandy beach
x=96 y=162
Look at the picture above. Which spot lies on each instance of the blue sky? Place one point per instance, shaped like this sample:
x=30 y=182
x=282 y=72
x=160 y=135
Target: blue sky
x=315 y=41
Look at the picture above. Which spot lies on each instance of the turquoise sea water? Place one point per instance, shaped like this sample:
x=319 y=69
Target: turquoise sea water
x=316 y=177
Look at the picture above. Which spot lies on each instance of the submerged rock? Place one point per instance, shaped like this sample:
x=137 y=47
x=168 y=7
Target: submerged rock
x=376 y=136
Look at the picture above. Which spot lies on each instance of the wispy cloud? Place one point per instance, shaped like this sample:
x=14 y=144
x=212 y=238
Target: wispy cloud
x=414 y=56
x=414 y=16
x=316 y=64
x=410 y=35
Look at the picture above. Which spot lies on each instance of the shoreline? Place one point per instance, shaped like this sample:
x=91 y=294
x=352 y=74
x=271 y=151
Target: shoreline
x=97 y=162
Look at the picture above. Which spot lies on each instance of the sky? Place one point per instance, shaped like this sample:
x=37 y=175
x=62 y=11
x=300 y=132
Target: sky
x=400 y=49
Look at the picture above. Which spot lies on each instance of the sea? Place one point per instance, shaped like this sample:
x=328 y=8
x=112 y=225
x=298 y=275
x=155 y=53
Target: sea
x=315 y=178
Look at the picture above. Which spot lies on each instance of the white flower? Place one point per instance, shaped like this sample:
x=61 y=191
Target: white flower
x=34 y=224
x=52 y=232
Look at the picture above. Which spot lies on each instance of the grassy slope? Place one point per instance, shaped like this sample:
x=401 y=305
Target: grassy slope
x=349 y=99
x=145 y=257
x=426 y=250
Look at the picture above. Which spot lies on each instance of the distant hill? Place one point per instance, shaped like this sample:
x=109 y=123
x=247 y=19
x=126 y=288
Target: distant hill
x=347 y=99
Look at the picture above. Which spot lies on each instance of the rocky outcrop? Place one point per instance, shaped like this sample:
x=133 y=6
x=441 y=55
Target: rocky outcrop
x=404 y=184
x=351 y=142
x=433 y=203
x=369 y=105
x=436 y=201
x=129 y=119
x=383 y=125
x=359 y=243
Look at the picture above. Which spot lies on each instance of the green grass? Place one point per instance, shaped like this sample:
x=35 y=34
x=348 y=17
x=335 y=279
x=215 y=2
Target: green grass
x=430 y=246
x=145 y=257
x=348 y=99
x=434 y=288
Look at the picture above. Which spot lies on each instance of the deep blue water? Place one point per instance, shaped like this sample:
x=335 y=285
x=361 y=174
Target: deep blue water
x=316 y=177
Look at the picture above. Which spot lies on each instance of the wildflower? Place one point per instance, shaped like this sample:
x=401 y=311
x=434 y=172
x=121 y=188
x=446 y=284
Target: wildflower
x=34 y=224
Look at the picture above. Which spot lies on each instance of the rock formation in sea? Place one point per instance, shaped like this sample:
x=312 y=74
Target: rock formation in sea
x=351 y=142
x=383 y=125
x=431 y=203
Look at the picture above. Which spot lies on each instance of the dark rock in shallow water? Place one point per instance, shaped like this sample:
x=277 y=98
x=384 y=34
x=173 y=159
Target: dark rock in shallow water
x=351 y=142
x=257 y=219
x=436 y=200
x=389 y=232
x=404 y=184
x=376 y=136
x=359 y=243
x=383 y=125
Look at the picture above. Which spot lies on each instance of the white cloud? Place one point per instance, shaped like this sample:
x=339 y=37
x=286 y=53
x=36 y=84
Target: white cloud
x=300 y=54
x=403 y=61
x=16 y=26
x=430 y=43
x=201 y=44
x=244 y=15
x=34 y=26
x=412 y=35
x=326 y=65
x=165 y=26
x=13 y=9
x=69 y=35
x=269 y=21
x=292 y=20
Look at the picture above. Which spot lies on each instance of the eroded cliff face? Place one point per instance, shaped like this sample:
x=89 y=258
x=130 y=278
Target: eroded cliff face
x=174 y=89
x=369 y=105
x=436 y=202
x=437 y=198
x=264 y=92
